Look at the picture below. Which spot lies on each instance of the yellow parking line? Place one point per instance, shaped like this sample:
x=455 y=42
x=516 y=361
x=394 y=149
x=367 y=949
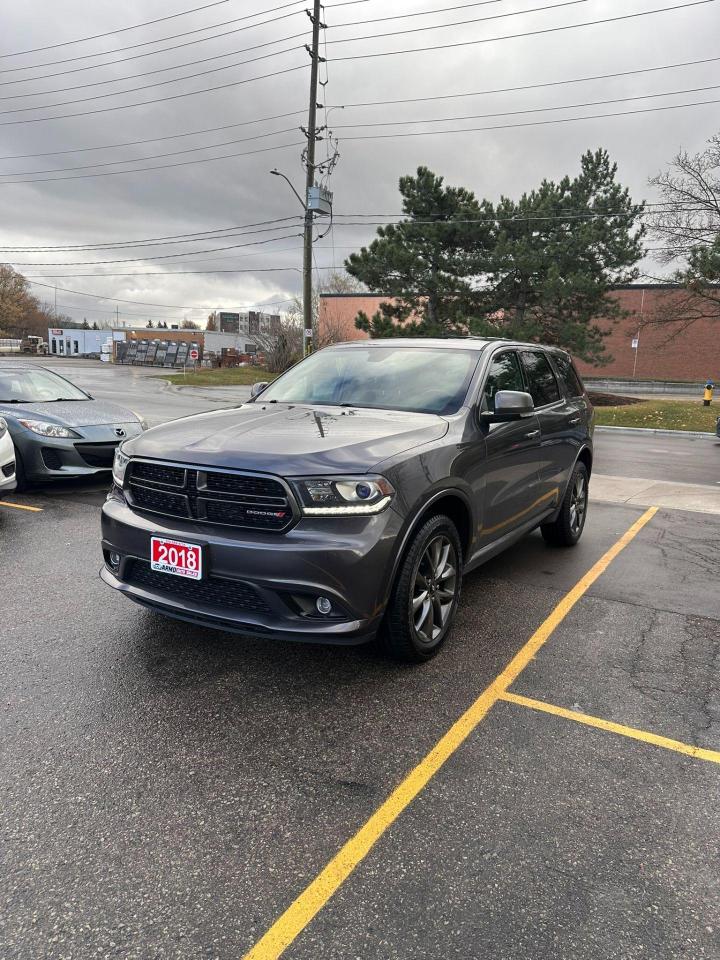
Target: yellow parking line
x=314 y=897
x=20 y=506
x=699 y=753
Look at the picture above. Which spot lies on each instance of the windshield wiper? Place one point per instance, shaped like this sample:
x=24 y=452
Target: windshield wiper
x=15 y=401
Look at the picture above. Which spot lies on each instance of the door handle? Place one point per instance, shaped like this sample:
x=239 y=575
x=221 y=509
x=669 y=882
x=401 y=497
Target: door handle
x=576 y=420
x=533 y=433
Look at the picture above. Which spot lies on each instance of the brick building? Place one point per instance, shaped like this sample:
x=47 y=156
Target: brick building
x=691 y=355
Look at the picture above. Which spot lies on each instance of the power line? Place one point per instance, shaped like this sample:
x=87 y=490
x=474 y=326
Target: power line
x=164 y=166
x=375 y=136
x=206 y=59
x=147 y=43
x=456 y=23
x=512 y=113
x=167 y=256
x=164 y=273
x=160 y=83
x=527 y=86
x=156 y=156
x=350 y=126
x=179 y=66
x=174 y=136
x=150 y=73
x=368 y=103
x=142 y=303
x=109 y=33
x=533 y=123
x=147 y=103
x=515 y=36
x=151 y=241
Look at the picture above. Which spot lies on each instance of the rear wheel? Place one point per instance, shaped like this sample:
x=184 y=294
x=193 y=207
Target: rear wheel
x=425 y=594
x=568 y=528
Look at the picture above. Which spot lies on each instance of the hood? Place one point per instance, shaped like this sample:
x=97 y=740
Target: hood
x=70 y=413
x=288 y=440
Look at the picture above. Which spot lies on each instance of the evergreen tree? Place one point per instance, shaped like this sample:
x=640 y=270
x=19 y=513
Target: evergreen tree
x=555 y=255
x=426 y=263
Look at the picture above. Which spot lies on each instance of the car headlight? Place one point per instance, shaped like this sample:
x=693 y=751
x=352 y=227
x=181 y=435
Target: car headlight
x=120 y=462
x=47 y=429
x=343 y=496
x=143 y=421
x=3 y=427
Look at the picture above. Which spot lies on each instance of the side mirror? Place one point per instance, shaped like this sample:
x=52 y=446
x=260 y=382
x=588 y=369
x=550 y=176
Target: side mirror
x=509 y=405
x=257 y=388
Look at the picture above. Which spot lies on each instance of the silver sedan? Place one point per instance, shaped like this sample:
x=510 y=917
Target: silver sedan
x=58 y=430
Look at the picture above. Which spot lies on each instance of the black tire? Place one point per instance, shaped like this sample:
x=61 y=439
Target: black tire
x=21 y=480
x=403 y=635
x=567 y=529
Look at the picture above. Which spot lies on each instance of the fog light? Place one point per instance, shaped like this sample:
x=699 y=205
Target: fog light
x=114 y=560
x=323 y=606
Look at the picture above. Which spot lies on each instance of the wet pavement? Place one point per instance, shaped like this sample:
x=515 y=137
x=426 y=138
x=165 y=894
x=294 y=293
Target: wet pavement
x=168 y=790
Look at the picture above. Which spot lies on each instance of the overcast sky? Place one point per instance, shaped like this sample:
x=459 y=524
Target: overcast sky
x=239 y=190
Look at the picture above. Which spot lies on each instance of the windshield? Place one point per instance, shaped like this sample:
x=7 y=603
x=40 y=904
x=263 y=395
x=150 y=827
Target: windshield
x=36 y=386
x=415 y=379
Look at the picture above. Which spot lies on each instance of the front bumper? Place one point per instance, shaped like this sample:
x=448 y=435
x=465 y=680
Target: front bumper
x=349 y=560
x=47 y=458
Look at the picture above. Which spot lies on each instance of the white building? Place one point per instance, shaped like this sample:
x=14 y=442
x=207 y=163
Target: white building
x=68 y=342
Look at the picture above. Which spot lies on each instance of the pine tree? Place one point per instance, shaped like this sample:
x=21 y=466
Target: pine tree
x=555 y=255
x=426 y=263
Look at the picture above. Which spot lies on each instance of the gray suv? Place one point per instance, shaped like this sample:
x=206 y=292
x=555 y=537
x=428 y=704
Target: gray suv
x=345 y=500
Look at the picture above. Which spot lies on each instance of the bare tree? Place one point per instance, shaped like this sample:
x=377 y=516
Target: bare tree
x=688 y=225
x=282 y=342
x=189 y=325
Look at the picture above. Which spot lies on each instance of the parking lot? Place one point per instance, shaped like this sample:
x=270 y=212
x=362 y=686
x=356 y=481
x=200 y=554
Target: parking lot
x=546 y=787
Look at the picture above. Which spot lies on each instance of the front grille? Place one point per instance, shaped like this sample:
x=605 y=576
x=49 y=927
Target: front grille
x=97 y=454
x=213 y=591
x=51 y=458
x=209 y=496
x=158 y=473
x=9 y=468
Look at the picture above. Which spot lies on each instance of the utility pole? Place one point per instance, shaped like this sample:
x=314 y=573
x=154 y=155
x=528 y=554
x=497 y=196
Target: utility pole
x=310 y=179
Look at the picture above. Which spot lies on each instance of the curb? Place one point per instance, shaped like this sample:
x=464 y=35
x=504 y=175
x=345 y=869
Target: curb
x=658 y=432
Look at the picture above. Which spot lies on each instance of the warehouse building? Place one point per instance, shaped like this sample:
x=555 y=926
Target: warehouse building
x=639 y=348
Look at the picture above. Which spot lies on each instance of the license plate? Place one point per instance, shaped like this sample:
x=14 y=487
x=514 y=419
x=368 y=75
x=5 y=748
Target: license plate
x=176 y=558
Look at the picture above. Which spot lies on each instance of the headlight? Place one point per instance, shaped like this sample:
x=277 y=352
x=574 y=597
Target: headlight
x=46 y=429
x=143 y=421
x=3 y=427
x=343 y=496
x=120 y=462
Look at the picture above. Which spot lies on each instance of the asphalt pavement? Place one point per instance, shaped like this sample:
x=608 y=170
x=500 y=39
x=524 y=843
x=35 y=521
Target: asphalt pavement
x=169 y=791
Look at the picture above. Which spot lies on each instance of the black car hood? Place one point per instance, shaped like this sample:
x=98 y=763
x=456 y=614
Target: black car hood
x=288 y=440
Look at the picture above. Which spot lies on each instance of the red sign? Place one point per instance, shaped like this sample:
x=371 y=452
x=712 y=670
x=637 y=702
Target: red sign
x=176 y=558
x=193 y=354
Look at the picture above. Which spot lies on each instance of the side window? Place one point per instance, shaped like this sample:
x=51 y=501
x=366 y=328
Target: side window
x=504 y=374
x=542 y=384
x=568 y=375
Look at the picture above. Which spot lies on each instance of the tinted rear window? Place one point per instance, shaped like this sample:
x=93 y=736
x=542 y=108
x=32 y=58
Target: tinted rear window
x=542 y=384
x=568 y=375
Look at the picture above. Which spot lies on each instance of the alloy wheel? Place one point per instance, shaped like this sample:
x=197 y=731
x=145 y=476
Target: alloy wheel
x=434 y=590
x=578 y=504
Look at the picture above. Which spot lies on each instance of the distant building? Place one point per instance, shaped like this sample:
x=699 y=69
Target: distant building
x=692 y=354
x=69 y=342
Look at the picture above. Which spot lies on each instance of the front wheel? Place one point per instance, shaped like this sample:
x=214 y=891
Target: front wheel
x=567 y=529
x=426 y=593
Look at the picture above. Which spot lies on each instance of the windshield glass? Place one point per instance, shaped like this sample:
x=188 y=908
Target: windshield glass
x=415 y=379
x=36 y=386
